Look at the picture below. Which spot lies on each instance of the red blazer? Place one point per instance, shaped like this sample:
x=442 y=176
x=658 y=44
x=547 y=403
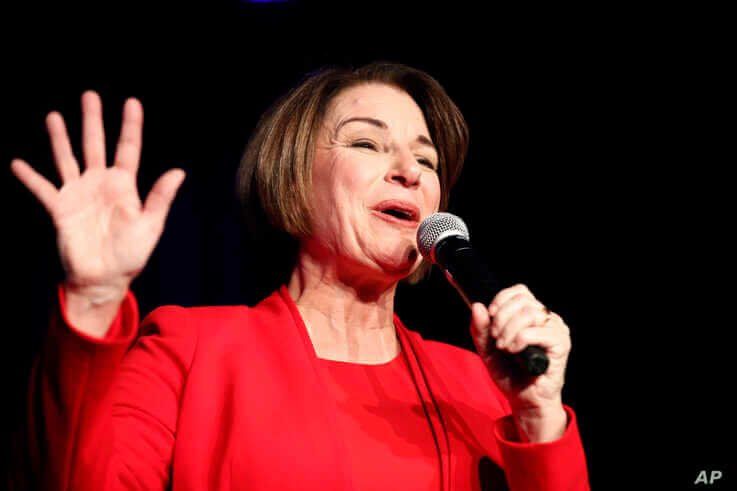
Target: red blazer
x=233 y=397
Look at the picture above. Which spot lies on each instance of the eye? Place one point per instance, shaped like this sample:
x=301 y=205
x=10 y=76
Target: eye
x=365 y=144
x=427 y=163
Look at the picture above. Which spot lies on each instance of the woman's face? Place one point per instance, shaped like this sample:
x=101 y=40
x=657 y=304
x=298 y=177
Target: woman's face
x=374 y=179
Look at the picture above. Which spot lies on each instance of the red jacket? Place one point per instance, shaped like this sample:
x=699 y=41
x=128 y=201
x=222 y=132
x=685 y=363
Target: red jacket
x=233 y=397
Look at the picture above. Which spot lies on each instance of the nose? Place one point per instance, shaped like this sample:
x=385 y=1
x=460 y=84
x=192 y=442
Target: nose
x=405 y=169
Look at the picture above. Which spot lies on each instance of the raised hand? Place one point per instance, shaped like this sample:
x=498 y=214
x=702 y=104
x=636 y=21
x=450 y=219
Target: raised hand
x=104 y=234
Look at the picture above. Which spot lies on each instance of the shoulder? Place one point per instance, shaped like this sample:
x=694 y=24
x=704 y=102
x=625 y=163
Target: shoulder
x=438 y=350
x=463 y=371
x=179 y=318
x=212 y=316
x=454 y=358
x=206 y=321
x=447 y=357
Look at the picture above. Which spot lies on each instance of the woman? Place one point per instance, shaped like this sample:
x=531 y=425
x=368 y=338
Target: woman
x=320 y=385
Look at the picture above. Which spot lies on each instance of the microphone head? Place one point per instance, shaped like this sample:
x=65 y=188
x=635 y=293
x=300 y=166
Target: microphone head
x=437 y=227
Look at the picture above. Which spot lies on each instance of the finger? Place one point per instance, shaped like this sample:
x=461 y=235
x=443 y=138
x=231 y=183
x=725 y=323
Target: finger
x=510 y=309
x=553 y=341
x=557 y=322
x=128 y=152
x=61 y=147
x=504 y=295
x=93 y=133
x=162 y=194
x=480 y=323
x=41 y=188
x=524 y=318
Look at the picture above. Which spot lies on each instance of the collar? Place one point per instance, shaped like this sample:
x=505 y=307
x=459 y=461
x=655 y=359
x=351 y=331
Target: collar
x=427 y=382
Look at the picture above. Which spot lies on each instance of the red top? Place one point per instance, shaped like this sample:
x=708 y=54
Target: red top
x=234 y=397
x=388 y=437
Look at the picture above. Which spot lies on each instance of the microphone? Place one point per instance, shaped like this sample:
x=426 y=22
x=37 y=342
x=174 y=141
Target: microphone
x=443 y=239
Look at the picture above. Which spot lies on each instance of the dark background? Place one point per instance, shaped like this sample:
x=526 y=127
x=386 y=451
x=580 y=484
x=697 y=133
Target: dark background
x=597 y=175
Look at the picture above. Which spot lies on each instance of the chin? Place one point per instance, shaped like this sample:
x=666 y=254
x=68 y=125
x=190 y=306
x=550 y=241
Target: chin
x=400 y=265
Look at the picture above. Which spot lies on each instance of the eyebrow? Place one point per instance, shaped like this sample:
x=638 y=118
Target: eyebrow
x=382 y=125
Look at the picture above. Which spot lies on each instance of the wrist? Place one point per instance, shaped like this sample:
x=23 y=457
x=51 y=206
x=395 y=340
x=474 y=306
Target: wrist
x=539 y=425
x=89 y=297
x=91 y=310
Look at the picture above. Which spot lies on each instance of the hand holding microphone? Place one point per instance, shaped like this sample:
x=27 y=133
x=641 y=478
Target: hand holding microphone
x=443 y=239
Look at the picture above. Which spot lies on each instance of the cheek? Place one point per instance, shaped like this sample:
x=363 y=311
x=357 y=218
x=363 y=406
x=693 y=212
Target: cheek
x=352 y=183
x=341 y=206
x=355 y=169
x=432 y=193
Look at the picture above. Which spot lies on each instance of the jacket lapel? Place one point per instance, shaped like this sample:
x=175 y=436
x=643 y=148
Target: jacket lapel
x=323 y=403
x=429 y=386
x=431 y=390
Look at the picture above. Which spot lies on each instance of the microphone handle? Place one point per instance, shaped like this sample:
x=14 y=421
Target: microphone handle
x=470 y=276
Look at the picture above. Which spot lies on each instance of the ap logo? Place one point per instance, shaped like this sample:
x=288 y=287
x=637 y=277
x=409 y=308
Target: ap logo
x=708 y=478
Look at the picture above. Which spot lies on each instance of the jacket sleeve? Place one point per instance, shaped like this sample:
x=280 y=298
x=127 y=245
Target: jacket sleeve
x=551 y=466
x=103 y=412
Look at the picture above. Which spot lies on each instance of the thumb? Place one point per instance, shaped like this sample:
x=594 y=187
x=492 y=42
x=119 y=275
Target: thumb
x=480 y=325
x=162 y=194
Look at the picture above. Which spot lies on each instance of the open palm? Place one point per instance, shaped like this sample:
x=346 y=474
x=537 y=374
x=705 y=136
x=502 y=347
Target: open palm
x=105 y=235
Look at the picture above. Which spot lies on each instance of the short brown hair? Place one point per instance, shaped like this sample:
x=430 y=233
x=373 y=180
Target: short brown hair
x=274 y=177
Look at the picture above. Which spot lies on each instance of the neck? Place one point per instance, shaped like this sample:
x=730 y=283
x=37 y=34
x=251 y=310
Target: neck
x=348 y=317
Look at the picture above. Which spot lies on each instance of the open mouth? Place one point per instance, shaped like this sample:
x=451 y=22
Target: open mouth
x=399 y=210
x=401 y=214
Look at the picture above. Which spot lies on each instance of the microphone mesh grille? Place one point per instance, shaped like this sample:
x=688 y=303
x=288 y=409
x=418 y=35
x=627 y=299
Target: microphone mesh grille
x=437 y=226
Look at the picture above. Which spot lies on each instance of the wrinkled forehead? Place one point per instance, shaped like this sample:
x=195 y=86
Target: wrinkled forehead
x=383 y=102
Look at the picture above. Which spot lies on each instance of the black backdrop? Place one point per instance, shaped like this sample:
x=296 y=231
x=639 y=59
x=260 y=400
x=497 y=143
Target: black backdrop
x=597 y=175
